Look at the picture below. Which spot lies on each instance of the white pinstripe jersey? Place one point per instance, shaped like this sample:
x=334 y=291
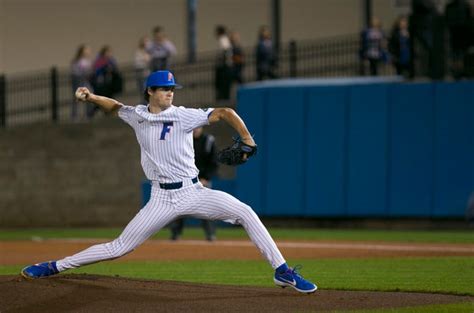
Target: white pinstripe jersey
x=166 y=140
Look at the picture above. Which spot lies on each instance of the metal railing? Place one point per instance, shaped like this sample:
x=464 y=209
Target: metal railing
x=48 y=96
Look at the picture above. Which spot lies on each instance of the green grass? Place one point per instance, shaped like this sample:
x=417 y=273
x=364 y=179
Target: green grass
x=454 y=275
x=239 y=233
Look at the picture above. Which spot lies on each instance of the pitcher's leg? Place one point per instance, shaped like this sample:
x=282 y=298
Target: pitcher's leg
x=218 y=205
x=148 y=221
x=257 y=232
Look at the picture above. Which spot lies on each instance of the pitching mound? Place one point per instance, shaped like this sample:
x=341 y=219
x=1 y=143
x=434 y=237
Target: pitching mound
x=91 y=293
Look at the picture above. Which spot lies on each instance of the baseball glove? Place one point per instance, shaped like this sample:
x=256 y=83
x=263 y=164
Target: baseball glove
x=234 y=155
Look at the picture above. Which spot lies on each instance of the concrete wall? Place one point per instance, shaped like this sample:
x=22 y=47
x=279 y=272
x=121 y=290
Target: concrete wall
x=80 y=174
x=36 y=34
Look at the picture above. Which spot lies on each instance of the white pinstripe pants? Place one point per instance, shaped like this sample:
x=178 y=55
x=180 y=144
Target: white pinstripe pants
x=167 y=205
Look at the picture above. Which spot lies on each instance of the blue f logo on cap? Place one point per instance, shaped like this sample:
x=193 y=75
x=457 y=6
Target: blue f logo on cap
x=161 y=79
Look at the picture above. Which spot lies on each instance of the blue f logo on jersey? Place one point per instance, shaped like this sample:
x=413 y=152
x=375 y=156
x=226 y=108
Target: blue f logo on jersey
x=166 y=129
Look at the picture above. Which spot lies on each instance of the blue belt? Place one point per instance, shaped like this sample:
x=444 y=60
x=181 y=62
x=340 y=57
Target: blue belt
x=169 y=186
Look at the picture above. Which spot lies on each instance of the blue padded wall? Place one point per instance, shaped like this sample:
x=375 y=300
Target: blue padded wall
x=367 y=151
x=411 y=149
x=359 y=147
x=284 y=133
x=453 y=147
x=325 y=147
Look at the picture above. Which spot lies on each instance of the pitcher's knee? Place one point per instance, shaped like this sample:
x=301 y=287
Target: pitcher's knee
x=246 y=214
x=117 y=248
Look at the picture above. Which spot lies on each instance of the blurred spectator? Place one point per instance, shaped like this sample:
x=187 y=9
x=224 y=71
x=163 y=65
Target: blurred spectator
x=81 y=73
x=470 y=210
x=141 y=63
x=206 y=162
x=265 y=55
x=161 y=49
x=372 y=47
x=223 y=70
x=238 y=57
x=107 y=80
x=399 y=47
x=423 y=13
x=421 y=28
x=458 y=17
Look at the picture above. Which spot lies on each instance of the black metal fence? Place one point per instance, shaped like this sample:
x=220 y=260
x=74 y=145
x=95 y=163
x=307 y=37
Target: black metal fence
x=48 y=95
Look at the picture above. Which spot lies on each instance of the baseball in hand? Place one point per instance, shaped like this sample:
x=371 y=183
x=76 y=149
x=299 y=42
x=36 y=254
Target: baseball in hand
x=81 y=95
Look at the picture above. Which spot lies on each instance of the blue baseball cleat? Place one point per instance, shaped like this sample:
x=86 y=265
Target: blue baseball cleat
x=288 y=277
x=40 y=270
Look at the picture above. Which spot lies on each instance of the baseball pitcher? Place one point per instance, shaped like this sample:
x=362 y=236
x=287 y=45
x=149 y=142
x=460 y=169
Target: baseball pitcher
x=165 y=135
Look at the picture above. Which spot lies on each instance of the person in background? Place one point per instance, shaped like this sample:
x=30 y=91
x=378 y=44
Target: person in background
x=81 y=73
x=206 y=162
x=238 y=57
x=141 y=63
x=265 y=55
x=399 y=47
x=161 y=49
x=107 y=80
x=470 y=210
x=458 y=17
x=223 y=70
x=372 y=47
x=424 y=13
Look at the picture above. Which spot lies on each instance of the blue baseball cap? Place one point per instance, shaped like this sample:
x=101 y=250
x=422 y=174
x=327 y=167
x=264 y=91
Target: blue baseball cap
x=161 y=79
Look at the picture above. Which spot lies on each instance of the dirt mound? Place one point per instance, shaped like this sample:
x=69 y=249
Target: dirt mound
x=92 y=293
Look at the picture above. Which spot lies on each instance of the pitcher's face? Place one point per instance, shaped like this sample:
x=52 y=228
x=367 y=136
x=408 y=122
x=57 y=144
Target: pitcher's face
x=162 y=96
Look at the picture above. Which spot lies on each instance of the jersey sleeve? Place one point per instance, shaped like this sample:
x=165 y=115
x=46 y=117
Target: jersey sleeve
x=126 y=113
x=194 y=118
